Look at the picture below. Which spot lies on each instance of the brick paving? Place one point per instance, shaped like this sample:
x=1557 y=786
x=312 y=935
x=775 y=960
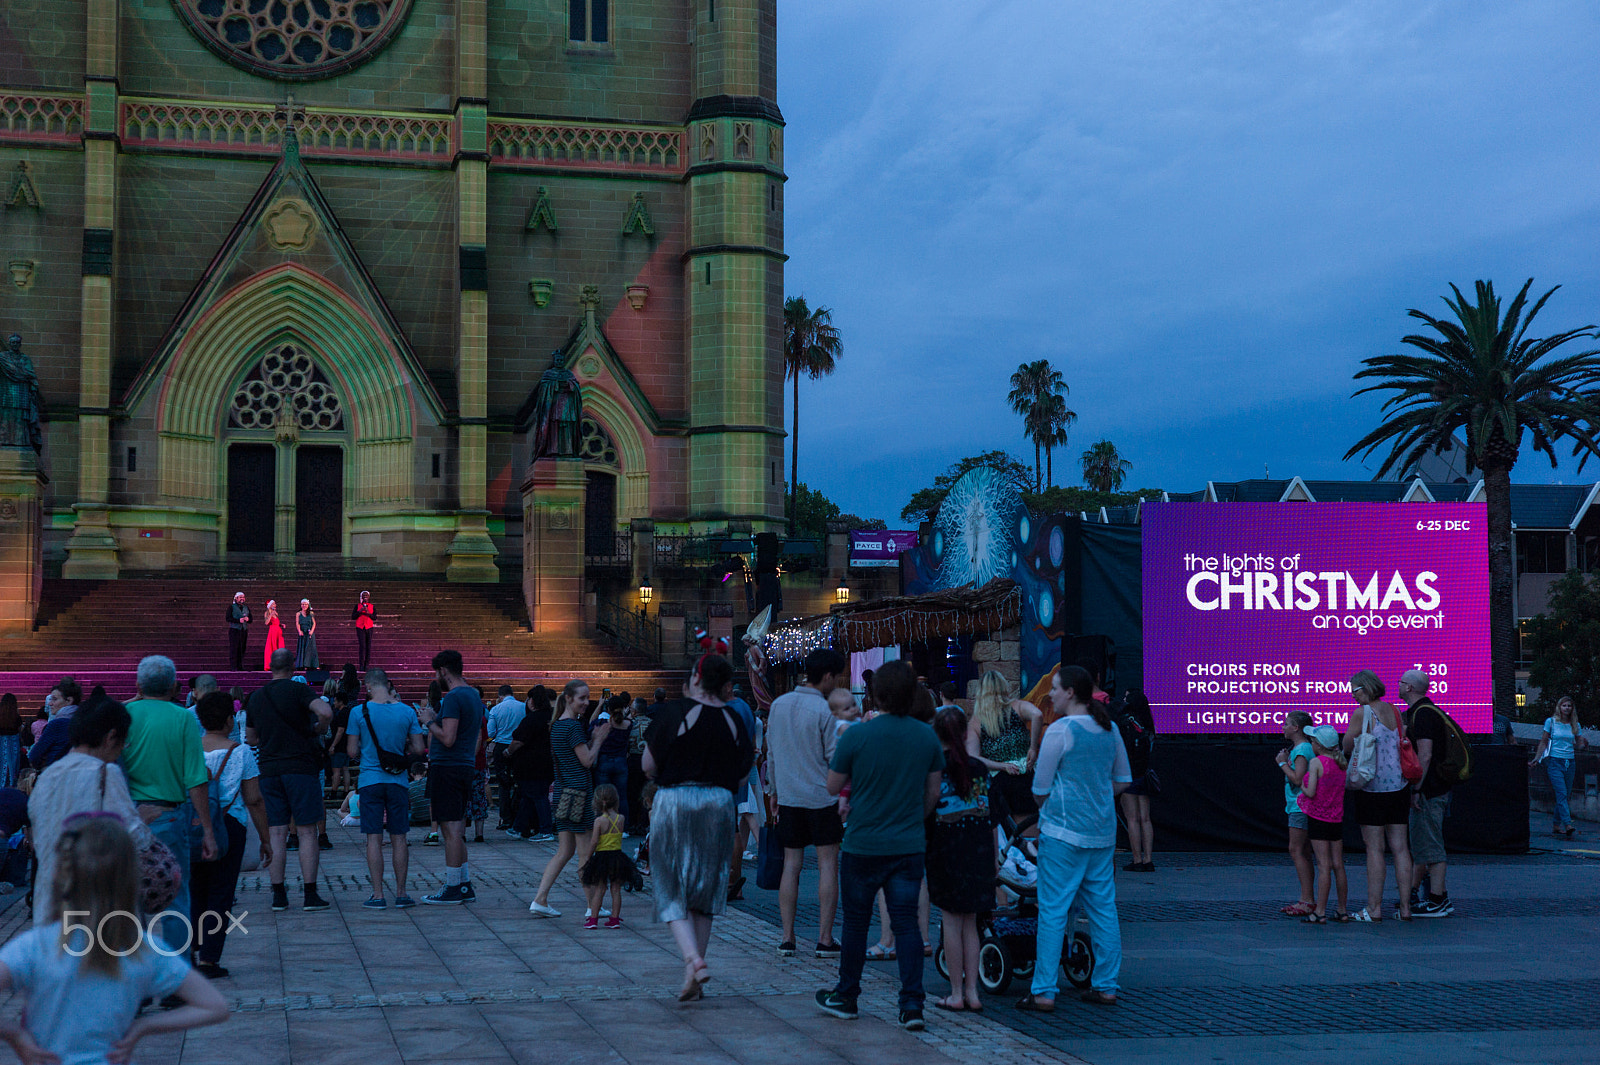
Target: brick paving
x=1211 y=972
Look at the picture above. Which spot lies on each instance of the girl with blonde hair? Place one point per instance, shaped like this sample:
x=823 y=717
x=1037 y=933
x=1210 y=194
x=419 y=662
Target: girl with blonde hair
x=84 y=979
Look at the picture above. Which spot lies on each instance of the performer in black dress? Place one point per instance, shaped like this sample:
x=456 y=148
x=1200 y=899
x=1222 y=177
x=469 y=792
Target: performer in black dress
x=238 y=618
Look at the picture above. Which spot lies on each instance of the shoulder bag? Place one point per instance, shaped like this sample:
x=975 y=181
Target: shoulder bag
x=214 y=803
x=389 y=760
x=159 y=873
x=1363 y=756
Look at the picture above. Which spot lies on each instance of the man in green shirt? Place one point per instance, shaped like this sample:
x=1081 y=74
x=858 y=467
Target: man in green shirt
x=167 y=779
x=892 y=765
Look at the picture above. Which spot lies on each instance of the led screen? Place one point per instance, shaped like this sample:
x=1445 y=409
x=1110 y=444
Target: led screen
x=1255 y=609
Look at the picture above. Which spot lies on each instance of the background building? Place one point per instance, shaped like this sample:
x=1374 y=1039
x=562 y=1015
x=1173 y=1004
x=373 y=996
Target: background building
x=325 y=343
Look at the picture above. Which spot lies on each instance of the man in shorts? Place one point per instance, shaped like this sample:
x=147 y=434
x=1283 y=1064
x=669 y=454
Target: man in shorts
x=801 y=737
x=284 y=721
x=383 y=722
x=1430 y=797
x=453 y=737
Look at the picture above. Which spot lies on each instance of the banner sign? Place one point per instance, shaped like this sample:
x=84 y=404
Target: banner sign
x=1255 y=609
x=880 y=547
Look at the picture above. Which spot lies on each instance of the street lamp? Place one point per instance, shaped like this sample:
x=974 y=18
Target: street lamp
x=842 y=593
x=646 y=592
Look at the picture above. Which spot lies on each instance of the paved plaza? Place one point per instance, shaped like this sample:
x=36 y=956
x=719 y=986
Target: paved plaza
x=1212 y=973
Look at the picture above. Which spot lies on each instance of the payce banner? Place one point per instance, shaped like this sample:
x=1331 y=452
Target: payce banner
x=1252 y=610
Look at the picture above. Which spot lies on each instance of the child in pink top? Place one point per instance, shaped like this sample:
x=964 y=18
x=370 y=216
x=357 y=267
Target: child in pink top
x=1322 y=798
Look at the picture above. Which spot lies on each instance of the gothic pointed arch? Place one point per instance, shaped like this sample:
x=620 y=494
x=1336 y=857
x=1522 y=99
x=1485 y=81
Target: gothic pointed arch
x=355 y=354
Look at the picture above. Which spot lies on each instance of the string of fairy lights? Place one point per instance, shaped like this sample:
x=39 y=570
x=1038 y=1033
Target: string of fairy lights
x=792 y=641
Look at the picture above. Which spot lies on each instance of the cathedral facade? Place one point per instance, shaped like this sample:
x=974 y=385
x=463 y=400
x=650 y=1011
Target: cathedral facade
x=290 y=271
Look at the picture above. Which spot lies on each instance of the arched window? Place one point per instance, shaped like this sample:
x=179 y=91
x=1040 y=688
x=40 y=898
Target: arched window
x=594 y=443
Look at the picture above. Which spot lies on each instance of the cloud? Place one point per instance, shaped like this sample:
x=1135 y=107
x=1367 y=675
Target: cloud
x=1205 y=215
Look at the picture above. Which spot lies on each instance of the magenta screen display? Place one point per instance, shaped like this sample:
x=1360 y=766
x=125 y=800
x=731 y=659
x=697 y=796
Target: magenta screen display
x=1255 y=609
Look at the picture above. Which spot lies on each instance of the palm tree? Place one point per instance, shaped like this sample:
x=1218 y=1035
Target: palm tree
x=1030 y=386
x=1482 y=375
x=1103 y=468
x=1056 y=419
x=811 y=345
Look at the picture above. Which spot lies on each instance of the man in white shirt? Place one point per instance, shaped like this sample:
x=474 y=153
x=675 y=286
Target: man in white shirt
x=504 y=717
x=800 y=743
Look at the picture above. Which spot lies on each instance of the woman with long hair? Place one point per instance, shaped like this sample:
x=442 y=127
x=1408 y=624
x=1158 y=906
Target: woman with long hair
x=274 y=635
x=10 y=740
x=212 y=884
x=1558 y=749
x=574 y=754
x=1003 y=735
x=305 y=623
x=960 y=858
x=699 y=753
x=1138 y=728
x=1382 y=806
x=1082 y=767
x=534 y=768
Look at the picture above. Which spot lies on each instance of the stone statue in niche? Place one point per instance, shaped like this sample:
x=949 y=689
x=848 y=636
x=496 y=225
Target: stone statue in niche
x=20 y=406
x=557 y=413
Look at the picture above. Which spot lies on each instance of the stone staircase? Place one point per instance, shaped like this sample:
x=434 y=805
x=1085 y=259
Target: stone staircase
x=98 y=630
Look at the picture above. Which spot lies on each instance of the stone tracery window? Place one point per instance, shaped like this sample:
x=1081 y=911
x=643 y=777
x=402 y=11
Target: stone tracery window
x=286 y=375
x=594 y=443
x=294 y=39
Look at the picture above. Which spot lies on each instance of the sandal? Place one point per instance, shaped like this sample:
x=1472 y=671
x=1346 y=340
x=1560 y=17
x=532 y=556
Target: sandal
x=695 y=987
x=1314 y=918
x=1341 y=917
x=941 y=1004
x=1098 y=998
x=1297 y=909
x=879 y=952
x=1031 y=1004
x=1365 y=917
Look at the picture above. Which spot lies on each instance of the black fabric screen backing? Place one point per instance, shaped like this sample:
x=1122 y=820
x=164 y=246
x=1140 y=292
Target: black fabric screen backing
x=1229 y=797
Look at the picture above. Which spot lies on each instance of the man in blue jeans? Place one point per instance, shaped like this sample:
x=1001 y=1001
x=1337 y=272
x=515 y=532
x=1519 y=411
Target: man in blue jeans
x=892 y=766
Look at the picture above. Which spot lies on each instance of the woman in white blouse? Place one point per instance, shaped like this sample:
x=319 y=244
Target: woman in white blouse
x=85 y=780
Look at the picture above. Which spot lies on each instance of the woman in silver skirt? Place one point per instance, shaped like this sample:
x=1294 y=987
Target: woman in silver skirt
x=699 y=754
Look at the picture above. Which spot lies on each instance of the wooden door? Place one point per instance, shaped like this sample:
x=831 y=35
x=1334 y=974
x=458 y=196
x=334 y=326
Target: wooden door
x=319 y=499
x=252 y=477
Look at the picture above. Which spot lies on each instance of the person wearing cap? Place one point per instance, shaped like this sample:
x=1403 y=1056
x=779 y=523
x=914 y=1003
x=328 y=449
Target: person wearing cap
x=238 y=631
x=1321 y=799
x=1430 y=799
x=363 y=616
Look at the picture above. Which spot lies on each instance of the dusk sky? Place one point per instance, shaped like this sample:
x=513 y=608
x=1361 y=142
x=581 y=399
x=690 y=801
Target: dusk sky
x=1204 y=215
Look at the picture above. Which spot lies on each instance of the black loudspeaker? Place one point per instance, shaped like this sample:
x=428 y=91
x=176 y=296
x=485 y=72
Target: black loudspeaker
x=1097 y=654
x=766 y=553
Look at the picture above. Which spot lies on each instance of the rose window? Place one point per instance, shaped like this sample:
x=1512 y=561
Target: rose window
x=286 y=378
x=294 y=39
x=594 y=444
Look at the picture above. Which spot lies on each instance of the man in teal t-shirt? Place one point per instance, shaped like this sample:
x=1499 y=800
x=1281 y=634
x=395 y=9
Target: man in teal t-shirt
x=892 y=766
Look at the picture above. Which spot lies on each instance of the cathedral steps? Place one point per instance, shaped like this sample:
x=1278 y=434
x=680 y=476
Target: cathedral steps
x=98 y=630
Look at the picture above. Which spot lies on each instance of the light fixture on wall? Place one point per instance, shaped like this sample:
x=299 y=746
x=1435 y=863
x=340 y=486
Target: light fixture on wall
x=842 y=593
x=646 y=592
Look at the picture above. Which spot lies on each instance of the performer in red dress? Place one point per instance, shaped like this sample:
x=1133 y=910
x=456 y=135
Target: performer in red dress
x=363 y=615
x=274 y=635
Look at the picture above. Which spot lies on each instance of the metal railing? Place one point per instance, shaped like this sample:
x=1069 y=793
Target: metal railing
x=613 y=549
x=633 y=629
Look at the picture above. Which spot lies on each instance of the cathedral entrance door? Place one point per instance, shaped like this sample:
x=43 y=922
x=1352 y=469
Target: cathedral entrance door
x=252 y=470
x=600 y=515
x=318 y=499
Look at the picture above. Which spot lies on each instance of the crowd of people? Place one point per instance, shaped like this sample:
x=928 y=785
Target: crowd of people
x=1390 y=774
x=908 y=800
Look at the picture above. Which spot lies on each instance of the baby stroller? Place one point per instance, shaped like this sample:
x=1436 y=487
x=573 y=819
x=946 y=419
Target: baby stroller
x=1008 y=937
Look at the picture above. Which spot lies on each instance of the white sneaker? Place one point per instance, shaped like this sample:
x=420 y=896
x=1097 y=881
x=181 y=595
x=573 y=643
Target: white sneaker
x=605 y=911
x=748 y=856
x=540 y=909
